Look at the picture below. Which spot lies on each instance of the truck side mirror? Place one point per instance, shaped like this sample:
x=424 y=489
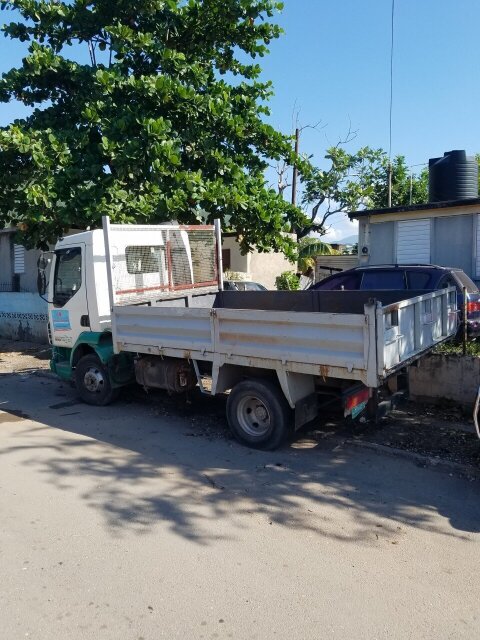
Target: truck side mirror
x=43 y=262
x=41 y=283
x=42 y=265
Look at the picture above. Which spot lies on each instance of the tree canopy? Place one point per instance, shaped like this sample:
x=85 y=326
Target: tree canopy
x=146 y=111
x=353 y=181
x=407 y=187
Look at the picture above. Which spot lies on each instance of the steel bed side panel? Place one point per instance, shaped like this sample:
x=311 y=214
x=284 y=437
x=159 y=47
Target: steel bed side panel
x=327 y=339
x=317 y=340
x=157 y=328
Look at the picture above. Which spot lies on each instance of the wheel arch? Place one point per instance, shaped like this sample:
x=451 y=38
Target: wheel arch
x=268 y=394
x=89 y=342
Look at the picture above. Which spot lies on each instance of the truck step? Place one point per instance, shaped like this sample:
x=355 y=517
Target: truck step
x=63 y=369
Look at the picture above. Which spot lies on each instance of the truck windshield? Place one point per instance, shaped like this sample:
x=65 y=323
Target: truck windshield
x=68 y=275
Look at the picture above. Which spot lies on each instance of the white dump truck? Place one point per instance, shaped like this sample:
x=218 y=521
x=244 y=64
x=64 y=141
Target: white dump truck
x=145 y=304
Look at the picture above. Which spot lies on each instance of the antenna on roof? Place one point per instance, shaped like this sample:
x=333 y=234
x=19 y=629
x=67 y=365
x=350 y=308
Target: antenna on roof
x=391 y=108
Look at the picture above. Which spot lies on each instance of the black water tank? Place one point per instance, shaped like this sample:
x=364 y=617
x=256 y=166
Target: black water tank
x=453 y=177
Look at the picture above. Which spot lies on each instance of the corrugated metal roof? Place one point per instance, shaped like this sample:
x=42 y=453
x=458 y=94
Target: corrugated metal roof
x=415 y=207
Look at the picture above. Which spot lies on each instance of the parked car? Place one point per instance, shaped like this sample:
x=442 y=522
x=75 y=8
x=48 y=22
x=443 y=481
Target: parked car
x=411 y=276
x=243 y=285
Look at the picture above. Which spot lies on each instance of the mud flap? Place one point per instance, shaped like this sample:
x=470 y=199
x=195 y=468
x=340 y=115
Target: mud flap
x=306 y=410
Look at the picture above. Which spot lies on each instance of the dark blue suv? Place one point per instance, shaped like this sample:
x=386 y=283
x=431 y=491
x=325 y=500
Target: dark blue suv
x=410 y=276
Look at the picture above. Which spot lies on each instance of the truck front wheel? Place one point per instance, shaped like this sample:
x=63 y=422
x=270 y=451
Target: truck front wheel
x=258 y=414
x=93 y=382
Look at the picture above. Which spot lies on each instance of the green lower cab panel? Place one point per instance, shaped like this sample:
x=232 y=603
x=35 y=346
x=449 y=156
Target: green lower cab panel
x=60 y=363
x=120 y=366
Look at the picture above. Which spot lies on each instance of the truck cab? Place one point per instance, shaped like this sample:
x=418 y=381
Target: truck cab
x=146 y=263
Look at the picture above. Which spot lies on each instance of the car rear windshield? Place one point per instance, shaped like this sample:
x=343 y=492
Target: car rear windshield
x=465 y=281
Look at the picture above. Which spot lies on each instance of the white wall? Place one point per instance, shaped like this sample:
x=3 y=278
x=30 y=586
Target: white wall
x=265 y=267
x=336 y=262
x=237 y=261
x=259 y=267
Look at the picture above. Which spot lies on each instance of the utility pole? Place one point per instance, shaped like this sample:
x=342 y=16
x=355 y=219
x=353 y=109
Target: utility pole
x=295 y=170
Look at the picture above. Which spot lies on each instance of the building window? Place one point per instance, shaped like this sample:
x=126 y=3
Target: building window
x=226 y=259
x=18 y=259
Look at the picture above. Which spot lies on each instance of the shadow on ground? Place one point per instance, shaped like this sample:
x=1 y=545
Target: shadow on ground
x=150 y=461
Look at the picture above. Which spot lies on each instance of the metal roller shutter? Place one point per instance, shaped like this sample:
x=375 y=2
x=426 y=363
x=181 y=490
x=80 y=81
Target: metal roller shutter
x=413 y=241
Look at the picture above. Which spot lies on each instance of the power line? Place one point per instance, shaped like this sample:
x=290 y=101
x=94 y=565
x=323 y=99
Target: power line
x=391 y=108
x=391 y=79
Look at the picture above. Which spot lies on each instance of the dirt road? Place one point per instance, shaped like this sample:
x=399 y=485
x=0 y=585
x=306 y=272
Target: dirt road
x=135 y=522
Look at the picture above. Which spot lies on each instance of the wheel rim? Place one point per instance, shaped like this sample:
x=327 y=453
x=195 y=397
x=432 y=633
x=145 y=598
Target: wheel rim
x=253 y=416
x=93 y=380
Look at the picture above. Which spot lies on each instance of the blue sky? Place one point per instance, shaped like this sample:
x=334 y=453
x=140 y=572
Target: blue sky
x=333 y=64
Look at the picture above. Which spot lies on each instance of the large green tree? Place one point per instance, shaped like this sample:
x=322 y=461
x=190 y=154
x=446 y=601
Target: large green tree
x=354 y=181
x=407 y=187
x=338 y=188
x=146 y=111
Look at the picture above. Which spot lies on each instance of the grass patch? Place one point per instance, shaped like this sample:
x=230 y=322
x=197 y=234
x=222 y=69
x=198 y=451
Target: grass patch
x=455 y=349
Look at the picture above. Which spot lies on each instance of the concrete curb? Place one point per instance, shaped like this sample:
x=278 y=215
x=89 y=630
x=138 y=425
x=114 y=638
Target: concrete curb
x=419 y=459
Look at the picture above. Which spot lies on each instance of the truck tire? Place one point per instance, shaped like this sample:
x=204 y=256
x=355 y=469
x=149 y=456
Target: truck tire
x=258 y=414
x=93 y=382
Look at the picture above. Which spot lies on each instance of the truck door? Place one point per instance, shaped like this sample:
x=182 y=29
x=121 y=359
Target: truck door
x=69 y=308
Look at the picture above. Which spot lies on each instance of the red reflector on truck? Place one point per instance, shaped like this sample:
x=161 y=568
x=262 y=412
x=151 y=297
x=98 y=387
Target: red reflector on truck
x=363 y=395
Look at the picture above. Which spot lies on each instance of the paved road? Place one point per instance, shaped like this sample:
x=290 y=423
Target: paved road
x=126 y=523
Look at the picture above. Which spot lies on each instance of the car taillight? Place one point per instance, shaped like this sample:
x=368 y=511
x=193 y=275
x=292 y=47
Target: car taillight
x=473 y=307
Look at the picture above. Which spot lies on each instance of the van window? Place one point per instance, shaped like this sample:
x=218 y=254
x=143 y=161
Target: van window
x=347 y=281
x=374 y=279
x=418 y=279
x=68 y=275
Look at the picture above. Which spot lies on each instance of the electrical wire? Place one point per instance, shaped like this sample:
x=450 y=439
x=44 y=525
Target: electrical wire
x=391 y=80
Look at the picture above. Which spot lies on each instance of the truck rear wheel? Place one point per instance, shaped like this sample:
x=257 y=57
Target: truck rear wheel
x=93 y=382
x=258 y=414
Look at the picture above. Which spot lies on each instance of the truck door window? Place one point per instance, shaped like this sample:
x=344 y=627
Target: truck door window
x=68 y=275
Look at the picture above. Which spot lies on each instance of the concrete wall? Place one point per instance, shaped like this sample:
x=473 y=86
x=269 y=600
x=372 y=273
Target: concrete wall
x=23 y=316
x=445 y=377
x=27 y=281
x=337 y=262
x=382 y=243
x=265 y=267
x=453 y=242
x=259 y=267
x=237 y=261
x=6 y=261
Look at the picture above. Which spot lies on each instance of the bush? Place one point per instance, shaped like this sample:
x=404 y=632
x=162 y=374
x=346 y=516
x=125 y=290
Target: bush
x=287 y=281
x=453 y=348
